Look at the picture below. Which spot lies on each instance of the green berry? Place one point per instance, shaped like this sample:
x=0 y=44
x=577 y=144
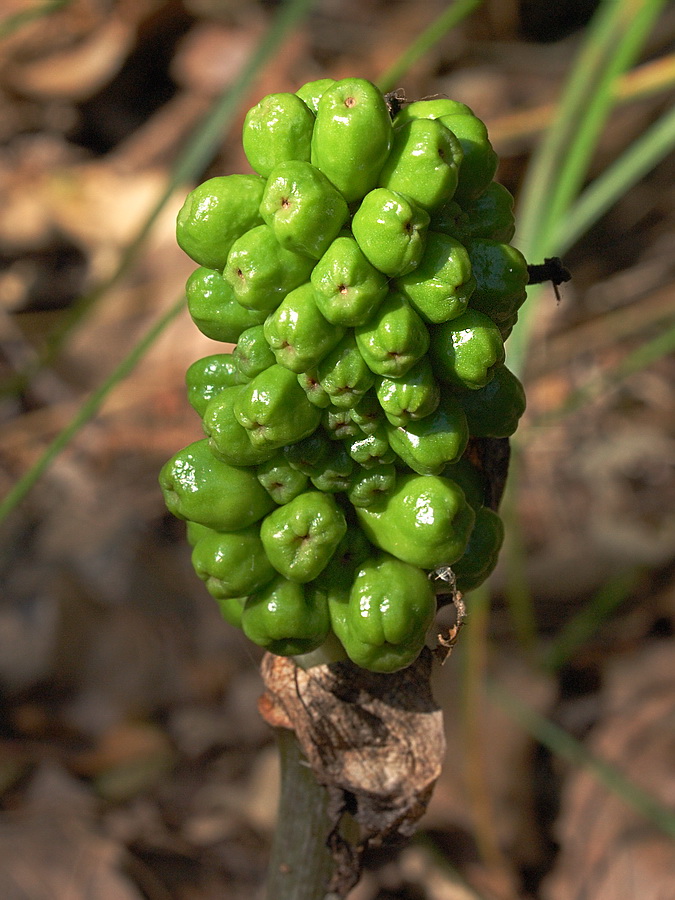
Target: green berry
x=394 y=339
x=352 y=136
x=424 y=163
x=303 y=209
x=253 y=354
x=313 y=91
x=301 y=536
x=494 y=410
x=277 y=129
x=228 y=439
x=442 y=284
x=488 y=216
x=480 y=161
x=428 y=445
x=391 y=230
x=200 y=488
x=263 y=405
x=214 y=308
x=232 y=564
x=261 y=272
x=215 y=214
x=411 y=396
x=208 y=376
x=466 y=351
x=347 y=288
x=281 y=481
x=343 y=373
x=425 y=521
x=286 y=618
x=297 y=332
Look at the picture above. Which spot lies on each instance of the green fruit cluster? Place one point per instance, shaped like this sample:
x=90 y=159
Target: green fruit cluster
x=366 y=276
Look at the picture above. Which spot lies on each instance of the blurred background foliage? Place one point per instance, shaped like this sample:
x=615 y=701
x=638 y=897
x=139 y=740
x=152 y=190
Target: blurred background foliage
x=132 y=760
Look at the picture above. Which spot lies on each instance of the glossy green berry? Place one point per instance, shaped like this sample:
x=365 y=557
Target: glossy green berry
x=394 y=339
x=369 y=485
x=370 y=450
x=469 y=478
x=263 y=405
x=215 y=214
x=347 y=288
x=276 y=129
x=430 y=109
x=428 y=445
x=335 y=474
x=383 y=621
x=297 y=332
x=214 y=308
x=411 y=396
x=338 y=423
x=352 y=136
x=423 y=163
x=302 y=208
x=424 y=521
x=232 y=564
x=465 y=351
x=343 y=373
x=208 y=376
x=301 y=536
x=261 y=272
x=228 y=439
x=313 y=91
x=440 y=287
x=488 y=216
x=286 y=618
x=495 y=410
x=367 y=414
x=314 y=390
x=281 y=481
x=482 y=551
x=253 y=354
x=231 y=609
x=501 y=275
x=480 y=161
x=203 y=489
x=391 y=230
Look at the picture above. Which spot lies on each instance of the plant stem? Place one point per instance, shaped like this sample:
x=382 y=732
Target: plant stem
x=300 y=862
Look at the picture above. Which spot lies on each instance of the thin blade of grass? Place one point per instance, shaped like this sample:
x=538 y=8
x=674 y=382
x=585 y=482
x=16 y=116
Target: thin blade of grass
x=615 y=38
x=431 y=35
x=565 y=746
x=580 y=629
x=639 y=159
x=641 y=358
x=190 y=162
x=86 y=411
x=14 y=21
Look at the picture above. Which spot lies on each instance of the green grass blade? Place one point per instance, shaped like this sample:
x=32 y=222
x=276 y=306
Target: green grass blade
x=191 y=161
x=639 y=159
x=580 y=629
x=86 y=411
x=564 y=745
x=448 y=19
x=14 y=21
x=614 y=40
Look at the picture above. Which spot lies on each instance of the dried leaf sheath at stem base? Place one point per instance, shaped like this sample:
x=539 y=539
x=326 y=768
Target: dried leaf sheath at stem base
x=374 y=741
